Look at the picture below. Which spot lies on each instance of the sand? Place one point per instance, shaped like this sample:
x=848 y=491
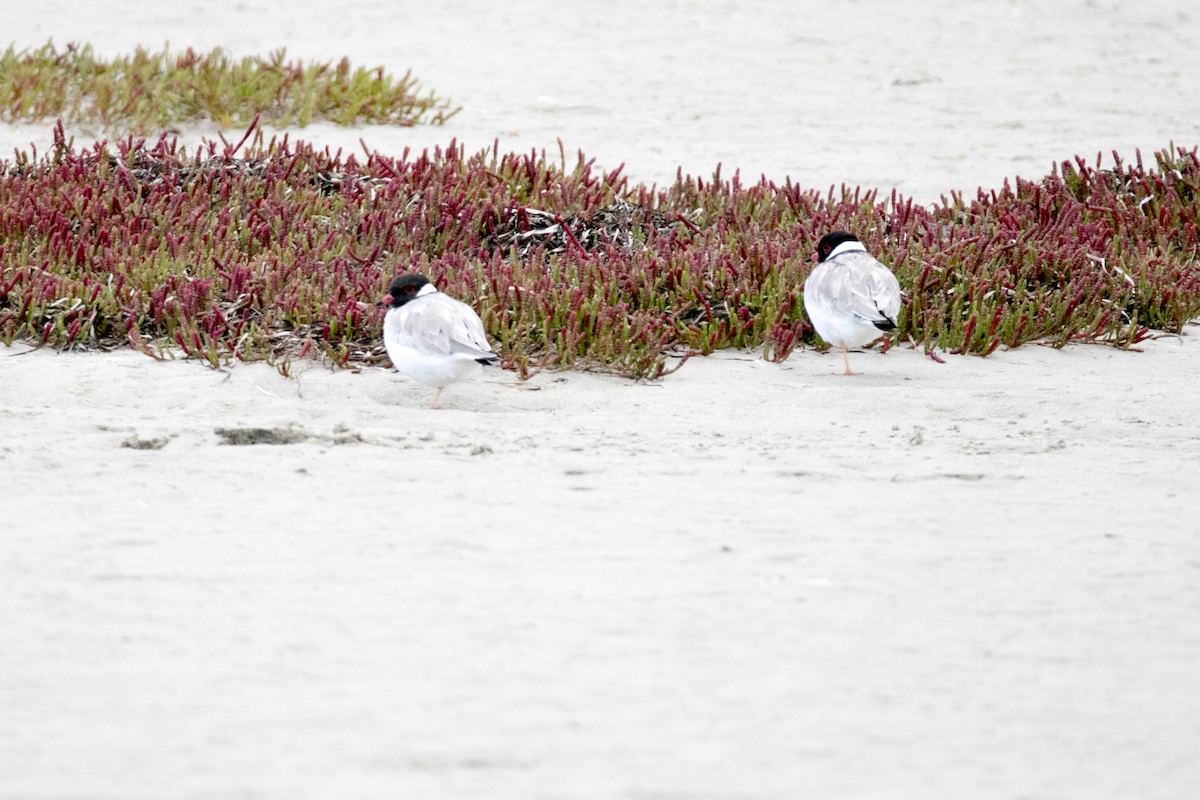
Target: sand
x=976 y=579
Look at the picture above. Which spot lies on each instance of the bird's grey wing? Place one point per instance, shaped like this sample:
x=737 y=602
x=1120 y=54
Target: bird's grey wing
x=862 y=287
x=440 y=325
x=424 y=328
x=468 y=336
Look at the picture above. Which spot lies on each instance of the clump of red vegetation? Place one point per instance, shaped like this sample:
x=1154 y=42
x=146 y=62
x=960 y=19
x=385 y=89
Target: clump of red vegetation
x=280 y=250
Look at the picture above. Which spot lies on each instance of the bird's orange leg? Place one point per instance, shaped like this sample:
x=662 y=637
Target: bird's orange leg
x=846 y=357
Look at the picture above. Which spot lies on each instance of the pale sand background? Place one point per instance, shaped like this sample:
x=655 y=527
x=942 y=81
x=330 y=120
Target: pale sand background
x=977 y=579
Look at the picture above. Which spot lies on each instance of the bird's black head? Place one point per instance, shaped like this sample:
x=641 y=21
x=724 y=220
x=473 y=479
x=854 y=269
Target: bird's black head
x=404 y=288
x=830 y=241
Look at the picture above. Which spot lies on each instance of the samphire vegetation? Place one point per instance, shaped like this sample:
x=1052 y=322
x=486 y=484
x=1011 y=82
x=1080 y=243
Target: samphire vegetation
x=276 y=250
x=150 y=91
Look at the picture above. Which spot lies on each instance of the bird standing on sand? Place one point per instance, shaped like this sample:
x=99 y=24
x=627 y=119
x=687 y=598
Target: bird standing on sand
x=850 y=297
x=431 y=337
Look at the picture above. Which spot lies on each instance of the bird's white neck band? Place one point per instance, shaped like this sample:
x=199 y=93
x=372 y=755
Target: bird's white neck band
x=428 y=288
x=846 y=247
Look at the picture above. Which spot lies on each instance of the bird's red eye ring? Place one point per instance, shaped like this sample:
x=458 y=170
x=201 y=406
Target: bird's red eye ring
x=409 y=289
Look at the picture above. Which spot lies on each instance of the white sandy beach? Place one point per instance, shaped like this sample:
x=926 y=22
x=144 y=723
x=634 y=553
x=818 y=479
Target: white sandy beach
x=976 y=579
